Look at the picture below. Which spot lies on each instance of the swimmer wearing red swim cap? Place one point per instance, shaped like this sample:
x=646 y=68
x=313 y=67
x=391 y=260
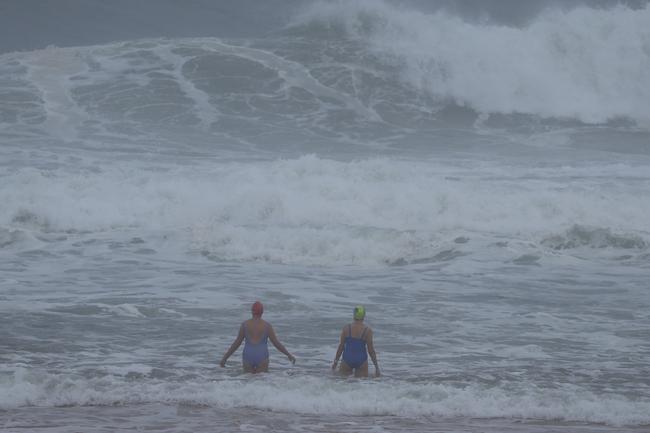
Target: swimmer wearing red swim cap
x=257 y=309
x=256 y=332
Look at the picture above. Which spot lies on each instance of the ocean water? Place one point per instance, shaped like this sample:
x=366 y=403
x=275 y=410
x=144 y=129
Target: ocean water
x=479 y=181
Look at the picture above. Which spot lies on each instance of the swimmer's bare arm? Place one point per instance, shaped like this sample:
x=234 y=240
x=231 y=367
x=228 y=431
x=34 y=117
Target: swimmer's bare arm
x=339 y=351
x=279 y=346
x=235 y=345
x=371 y=351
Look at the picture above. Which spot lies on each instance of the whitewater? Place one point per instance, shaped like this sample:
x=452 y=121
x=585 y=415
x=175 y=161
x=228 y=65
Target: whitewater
x=482 y=187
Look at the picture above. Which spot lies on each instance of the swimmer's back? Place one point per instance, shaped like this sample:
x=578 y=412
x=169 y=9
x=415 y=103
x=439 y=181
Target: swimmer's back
x=256 y=330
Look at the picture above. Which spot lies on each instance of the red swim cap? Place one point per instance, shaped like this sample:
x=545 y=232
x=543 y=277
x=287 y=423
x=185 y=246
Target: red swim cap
x=257 y=309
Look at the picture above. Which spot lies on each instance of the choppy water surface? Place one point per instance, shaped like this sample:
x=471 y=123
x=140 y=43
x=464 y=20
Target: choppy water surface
x=493 y=222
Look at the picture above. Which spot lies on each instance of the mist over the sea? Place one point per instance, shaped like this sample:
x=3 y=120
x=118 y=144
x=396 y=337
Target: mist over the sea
x=475 y=173
x=32 y=24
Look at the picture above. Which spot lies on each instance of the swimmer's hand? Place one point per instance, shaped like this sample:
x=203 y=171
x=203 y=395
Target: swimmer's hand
x=223 y=363
x=336 y=361
x=292 y=358
x=377 y=373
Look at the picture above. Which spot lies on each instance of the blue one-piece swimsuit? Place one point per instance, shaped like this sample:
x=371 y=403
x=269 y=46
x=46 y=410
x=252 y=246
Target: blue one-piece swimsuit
x=255 y=354
x=354 y=352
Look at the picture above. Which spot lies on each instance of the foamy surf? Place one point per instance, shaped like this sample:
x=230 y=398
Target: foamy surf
x=328 y=396
x=318 y=211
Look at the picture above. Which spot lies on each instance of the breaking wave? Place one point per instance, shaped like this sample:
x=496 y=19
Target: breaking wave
x=589 y=64
x=318 y=211
x=309 y=395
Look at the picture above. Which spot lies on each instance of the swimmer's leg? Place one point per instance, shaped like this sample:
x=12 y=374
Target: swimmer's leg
x=345 y=369
x=263 y=367
x=247 y=367
x=362 y=371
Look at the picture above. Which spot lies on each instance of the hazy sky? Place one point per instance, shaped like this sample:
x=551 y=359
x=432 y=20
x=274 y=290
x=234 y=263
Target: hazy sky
x=31 y=24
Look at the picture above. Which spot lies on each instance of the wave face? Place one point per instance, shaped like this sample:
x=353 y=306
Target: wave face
x=343 y=75
x=588 y=64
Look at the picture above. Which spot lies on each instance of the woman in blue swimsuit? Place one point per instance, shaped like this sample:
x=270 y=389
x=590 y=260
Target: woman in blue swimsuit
x=355 y=346
x=256 y=332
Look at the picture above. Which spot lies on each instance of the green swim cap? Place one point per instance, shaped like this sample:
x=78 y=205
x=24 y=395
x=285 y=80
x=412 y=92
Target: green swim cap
x=359 y=312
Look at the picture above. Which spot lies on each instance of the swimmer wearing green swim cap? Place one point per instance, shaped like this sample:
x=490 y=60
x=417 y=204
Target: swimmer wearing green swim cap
x=355 y=345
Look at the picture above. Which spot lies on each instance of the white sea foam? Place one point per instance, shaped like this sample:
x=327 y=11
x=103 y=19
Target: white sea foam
x=48 y=70
x=128 y=369
x=125 y=310
x=587 y=64
x=312 y=210
x=311 y=395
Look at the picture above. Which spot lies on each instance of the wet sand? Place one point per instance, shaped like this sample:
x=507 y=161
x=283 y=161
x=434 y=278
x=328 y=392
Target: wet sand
x=198 y=419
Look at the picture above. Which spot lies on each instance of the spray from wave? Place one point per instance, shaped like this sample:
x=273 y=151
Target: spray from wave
x=592 y=65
